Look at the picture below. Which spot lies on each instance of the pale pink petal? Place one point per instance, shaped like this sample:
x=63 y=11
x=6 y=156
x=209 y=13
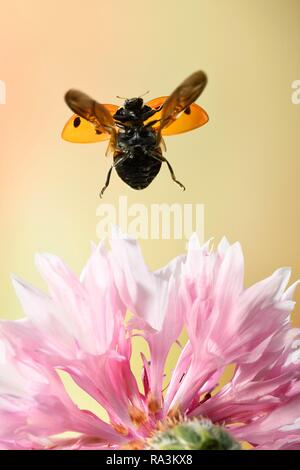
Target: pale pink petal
x=217 y=314
x=87 y=310
x=31 y=392
x=279 y=424
x=160 y=342
x=145 y=293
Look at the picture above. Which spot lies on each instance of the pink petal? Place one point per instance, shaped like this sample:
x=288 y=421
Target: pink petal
x=30 y=393
x=145 y=293
x=279 y=424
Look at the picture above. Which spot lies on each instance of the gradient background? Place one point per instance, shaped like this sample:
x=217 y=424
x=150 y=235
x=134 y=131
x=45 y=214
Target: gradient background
x=243 y=166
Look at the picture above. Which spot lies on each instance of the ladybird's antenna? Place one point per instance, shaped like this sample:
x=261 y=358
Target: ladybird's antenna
x=146 y=93
x=125 y=98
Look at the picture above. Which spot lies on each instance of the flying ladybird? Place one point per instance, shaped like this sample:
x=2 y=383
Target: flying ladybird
x=135 y=131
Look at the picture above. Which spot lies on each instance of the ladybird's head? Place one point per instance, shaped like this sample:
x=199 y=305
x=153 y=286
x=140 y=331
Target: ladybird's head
x=134 y=110
x=134 y=104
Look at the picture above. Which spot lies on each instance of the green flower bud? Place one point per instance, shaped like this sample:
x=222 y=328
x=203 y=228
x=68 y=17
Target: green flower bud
x=195 y=434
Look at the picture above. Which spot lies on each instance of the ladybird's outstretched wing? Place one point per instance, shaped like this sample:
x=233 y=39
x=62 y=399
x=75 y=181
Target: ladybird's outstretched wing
x=192 y=117
x=80 y=131
x=182 y=98
x=93 y=122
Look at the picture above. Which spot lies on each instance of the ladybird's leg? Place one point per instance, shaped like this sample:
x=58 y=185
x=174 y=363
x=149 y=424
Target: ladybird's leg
x=115 y=164
x=173 y=174
x=163 y=145
x=106 y=182
x=159 y=157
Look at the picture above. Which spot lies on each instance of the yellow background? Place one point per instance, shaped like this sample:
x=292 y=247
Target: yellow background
x=243 y=166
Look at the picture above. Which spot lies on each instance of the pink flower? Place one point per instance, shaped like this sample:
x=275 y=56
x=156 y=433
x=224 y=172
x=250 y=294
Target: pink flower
x=80 y=328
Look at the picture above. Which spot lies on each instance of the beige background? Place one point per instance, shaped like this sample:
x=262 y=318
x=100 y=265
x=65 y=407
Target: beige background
x=244 y=165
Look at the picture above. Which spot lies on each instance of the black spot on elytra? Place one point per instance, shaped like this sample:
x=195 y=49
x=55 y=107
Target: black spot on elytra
x=77 y=122
x=187 y=110
x=98 y=132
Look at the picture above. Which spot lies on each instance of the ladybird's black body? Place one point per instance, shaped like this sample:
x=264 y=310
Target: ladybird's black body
x=139 y=169
x=137 y=157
